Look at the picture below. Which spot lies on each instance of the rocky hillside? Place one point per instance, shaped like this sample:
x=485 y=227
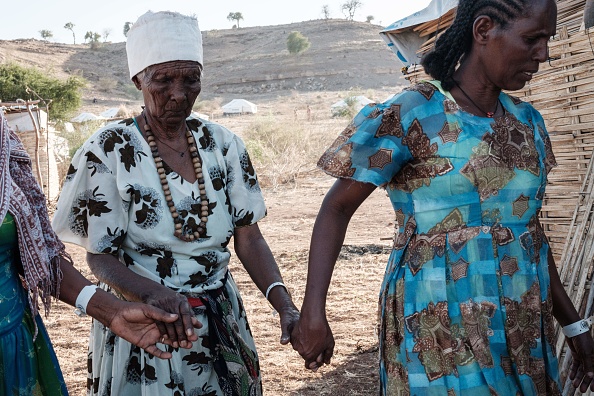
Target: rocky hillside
x=252 y=62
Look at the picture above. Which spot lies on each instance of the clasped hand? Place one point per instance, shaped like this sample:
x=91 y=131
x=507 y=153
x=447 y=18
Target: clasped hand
x=312 y=338
x=179 y=332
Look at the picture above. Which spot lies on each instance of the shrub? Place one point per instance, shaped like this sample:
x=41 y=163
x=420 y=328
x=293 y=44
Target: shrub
x=297 y=43
x=106 y=84
x=132 y=92
x=65 y=96
x=82 y=131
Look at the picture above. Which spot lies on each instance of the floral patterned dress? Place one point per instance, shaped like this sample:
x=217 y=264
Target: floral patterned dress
x=465 y=306
x=112 y=202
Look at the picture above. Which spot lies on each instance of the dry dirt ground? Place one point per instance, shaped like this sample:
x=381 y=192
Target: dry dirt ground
x=352 y=300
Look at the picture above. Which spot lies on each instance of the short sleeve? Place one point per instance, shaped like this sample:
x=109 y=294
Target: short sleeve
x=549 y=157
x=245 y=196
x=91 y=212
x=371 y=148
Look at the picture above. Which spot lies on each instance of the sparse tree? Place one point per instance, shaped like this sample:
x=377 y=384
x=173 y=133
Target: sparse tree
x=297 y=43
x=70 y=26
x=235 y=16
x=127 y=27
x=88 y=36
x=106 y=33
x=350 y=7
x=370 y=18
x=46 y=34
x=326 y=11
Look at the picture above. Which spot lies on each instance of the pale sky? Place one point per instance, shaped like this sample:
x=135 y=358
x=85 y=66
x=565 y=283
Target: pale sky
x=25 y=19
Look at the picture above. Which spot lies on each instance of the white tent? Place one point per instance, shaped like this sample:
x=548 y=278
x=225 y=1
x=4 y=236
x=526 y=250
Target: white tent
x=240 y=106
x=84 y=117
x=358 y=103
x=404 y=40
x=110 y=113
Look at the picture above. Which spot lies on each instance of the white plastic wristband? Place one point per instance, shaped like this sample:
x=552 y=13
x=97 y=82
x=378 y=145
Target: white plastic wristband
x=272 y=286
x=577 y=328
x=83 y=299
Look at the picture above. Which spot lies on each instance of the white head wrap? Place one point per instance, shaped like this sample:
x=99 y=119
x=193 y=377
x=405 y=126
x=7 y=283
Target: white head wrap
x=158 y=37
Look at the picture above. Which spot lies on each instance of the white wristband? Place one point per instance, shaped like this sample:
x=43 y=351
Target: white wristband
x=83 y=299
x=272 y=286
x=577 y=328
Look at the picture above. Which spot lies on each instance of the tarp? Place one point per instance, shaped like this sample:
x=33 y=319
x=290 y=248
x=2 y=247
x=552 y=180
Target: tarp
x=401 y=37
x=359 y=102
x=239 y=106
x=84 y=117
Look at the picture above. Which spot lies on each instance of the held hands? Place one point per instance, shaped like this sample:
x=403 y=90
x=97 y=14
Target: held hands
x=314 y=341
x=288 y=319
x=179 y=332
x=581 y=372
x=137 y=324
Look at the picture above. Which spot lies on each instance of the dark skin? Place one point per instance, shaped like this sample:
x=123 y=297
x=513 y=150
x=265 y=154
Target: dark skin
x=170 y=90
x=134 y=322
x=483 y=74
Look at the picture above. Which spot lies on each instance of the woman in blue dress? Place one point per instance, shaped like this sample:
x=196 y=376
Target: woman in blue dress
x=34 y=266
x=471 y=289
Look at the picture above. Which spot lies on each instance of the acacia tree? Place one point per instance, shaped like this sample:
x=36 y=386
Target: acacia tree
x=46 y=34
x=370 y=18
x=127 y=27
x=106 y=33
x=350 y=7
x=235 y=16
x=70 y=26
x=326 y=11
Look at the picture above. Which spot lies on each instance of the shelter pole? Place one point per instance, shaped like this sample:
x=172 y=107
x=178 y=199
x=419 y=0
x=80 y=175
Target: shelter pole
x=37 y=166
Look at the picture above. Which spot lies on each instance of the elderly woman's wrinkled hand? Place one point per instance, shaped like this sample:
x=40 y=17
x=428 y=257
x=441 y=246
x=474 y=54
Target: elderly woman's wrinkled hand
x=314 y=341
x=581 y=372
x=181 y=332
x=289 y=317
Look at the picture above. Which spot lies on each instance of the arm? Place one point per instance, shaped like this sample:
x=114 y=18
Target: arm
x=134 y=322
x=108 y=269
x=255 y=255
x=582 y=346
x=312 y=336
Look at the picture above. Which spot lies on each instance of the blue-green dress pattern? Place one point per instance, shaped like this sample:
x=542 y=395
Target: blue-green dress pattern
x=27 y=367
x=465 y=306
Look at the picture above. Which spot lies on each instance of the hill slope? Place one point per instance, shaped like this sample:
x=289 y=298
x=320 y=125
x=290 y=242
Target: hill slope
x=248 y=61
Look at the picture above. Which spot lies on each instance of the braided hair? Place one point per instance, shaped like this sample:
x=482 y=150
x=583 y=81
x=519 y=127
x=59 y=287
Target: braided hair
x=456 y=41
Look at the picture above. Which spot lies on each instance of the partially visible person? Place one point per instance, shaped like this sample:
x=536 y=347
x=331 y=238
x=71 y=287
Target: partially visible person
x=471 y=290
x=156 y=200
x=34 y=265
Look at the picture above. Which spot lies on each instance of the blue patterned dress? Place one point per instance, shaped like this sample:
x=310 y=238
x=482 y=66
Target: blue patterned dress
x=27 y=367
x=465 y=306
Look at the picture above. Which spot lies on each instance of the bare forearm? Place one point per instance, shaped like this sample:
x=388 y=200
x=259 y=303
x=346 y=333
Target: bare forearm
x=102 y=306
x=326 y=241
x=109 y=270
x=255 y=255
x=563 y=309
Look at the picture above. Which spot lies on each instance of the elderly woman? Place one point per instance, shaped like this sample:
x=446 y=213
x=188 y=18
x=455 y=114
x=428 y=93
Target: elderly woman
x=156 y=200
x=34 y=265
x=470 y=291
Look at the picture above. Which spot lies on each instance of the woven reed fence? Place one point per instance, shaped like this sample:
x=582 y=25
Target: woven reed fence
x=563 y=91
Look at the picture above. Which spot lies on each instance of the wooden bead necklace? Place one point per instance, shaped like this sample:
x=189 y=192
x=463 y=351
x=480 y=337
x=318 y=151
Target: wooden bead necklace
x=182 y=231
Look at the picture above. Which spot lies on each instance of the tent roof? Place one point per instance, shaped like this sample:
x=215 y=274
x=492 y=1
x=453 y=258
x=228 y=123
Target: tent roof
x=236 y=102
x=83 y=117
x=405 y=37
x=110 y=113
